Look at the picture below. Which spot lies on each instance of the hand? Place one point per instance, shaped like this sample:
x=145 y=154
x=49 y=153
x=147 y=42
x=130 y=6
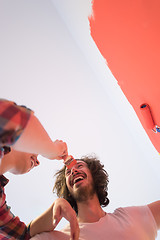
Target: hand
x=48 y=220
x=62 y=208
x=60 y=149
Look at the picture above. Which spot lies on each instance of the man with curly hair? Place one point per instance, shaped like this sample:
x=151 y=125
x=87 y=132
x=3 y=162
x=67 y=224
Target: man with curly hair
x=85 y=187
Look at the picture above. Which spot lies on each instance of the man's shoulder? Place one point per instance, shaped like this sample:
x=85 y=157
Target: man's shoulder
x=133 y=213
x=131 y=210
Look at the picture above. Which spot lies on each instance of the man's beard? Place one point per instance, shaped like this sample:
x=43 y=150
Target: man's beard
x=82 y=194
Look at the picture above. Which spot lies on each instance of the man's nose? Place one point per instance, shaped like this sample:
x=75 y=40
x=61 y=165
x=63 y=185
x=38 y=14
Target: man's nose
x=37 y=163
x=74 y=170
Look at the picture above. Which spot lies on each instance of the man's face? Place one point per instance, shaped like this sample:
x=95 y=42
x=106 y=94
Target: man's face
x=23 y=162
x=79 y=181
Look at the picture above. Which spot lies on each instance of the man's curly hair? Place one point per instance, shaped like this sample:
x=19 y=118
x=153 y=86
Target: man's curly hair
x=100 y=181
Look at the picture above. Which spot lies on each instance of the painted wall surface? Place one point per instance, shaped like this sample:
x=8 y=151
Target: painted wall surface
x=127 y=35
x=54 y=67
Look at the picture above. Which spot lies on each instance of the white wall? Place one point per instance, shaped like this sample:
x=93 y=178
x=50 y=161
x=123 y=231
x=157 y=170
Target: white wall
x=49 y=63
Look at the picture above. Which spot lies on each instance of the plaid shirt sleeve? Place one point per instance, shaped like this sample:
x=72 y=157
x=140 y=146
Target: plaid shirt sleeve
x=13 y=120
x=10 y=226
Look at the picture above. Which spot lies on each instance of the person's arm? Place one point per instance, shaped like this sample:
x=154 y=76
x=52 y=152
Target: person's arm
x=35 y=139
x=155 y=209
x=20 y=129
x=51 y=217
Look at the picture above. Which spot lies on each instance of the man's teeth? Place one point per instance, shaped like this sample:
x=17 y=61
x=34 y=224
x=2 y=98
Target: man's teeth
x=77 y=179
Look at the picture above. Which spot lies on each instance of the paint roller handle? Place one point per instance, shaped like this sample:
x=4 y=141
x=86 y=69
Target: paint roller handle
x=147 y=116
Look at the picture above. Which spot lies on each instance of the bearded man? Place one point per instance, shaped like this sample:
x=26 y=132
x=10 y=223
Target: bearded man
x=85 y=188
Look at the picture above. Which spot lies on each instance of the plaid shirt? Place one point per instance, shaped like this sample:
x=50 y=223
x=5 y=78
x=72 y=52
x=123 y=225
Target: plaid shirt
x=10 y=226
x=13 y=120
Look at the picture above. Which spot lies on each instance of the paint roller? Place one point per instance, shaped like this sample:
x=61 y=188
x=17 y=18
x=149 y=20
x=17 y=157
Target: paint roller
x=148 y=118
x=69 y=161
